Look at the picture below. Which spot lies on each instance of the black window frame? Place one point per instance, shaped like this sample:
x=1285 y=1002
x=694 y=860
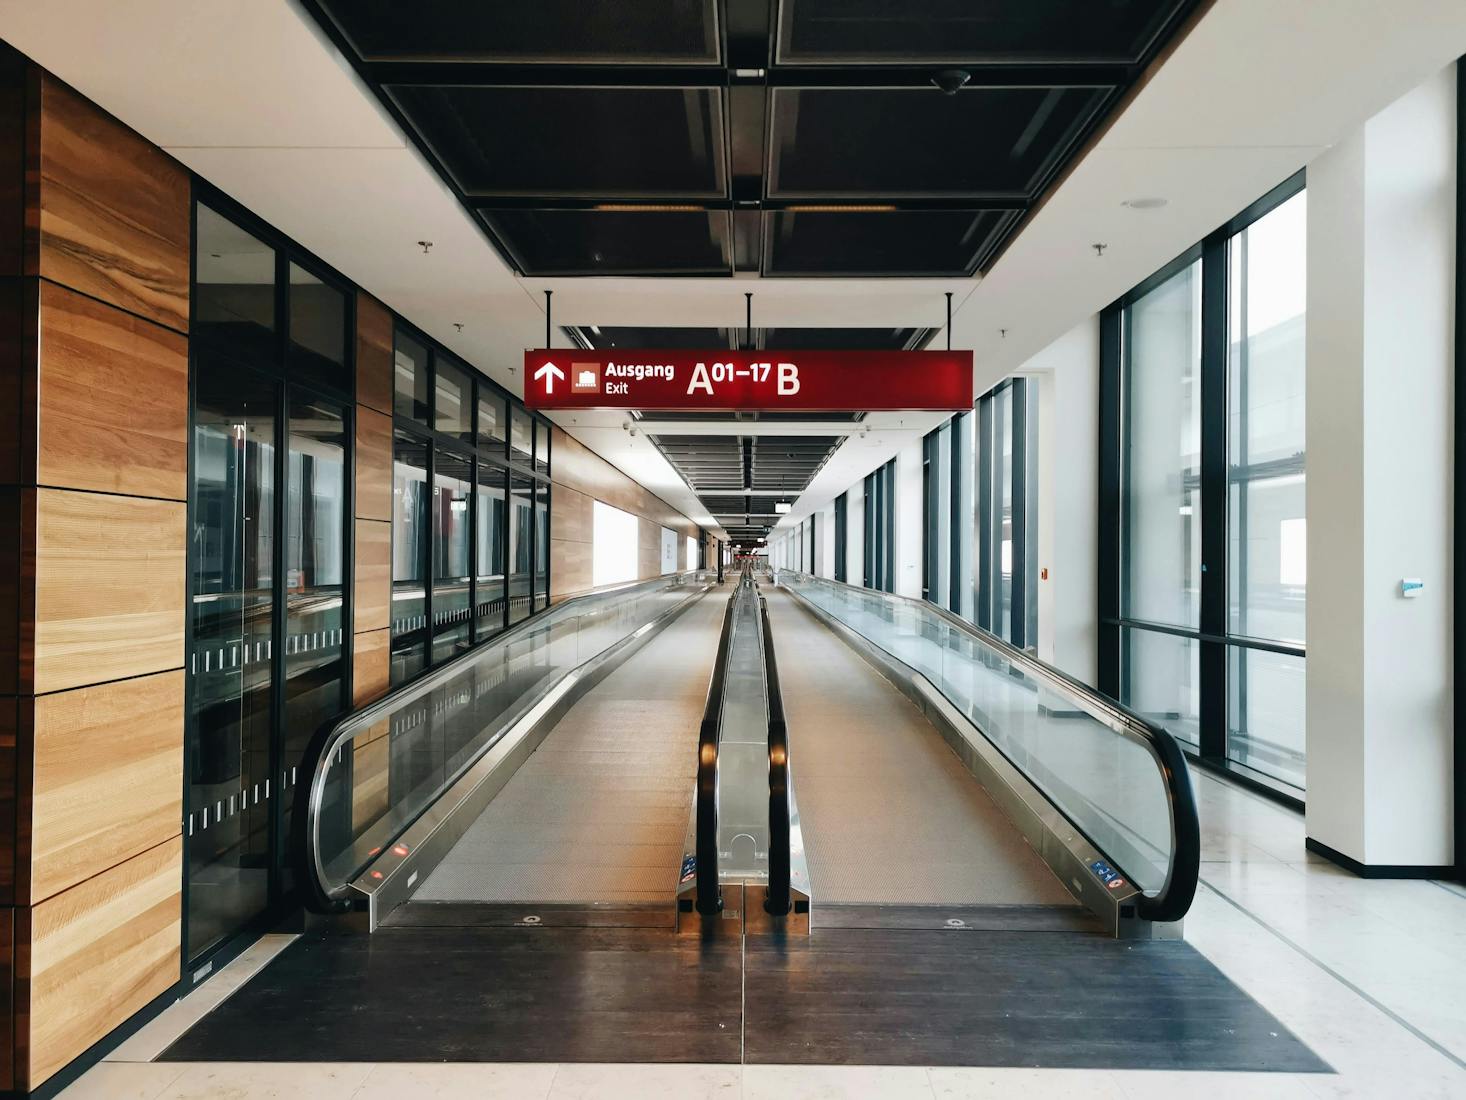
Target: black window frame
x=270 y=357
x=1212 y=634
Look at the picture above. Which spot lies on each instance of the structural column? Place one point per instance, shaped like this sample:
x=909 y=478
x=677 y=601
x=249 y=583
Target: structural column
x=93 y=480
x=1381 y=270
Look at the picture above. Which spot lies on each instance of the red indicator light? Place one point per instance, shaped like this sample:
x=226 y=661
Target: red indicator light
x=376 y=874
x=399 y=850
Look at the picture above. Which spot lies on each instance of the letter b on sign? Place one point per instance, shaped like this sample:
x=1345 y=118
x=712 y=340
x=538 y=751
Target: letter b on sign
x=788 y=379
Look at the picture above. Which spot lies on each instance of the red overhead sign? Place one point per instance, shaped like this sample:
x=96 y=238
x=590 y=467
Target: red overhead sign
x=809 y=381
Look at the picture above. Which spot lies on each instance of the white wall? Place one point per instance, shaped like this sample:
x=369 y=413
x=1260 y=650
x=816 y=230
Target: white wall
x=825 y=522
x=1067 y=372
x=1380 y=364
x=908 y=519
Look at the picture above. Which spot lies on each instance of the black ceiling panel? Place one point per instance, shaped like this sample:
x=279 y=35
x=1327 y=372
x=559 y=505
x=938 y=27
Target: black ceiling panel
x=593 y=242
x=544 y=32
x=622 y=336
x=588 y=143
x=813 y=32
x=787 y=339
x=846 y=339
x=907 y=242
x=873 y=143
x=757 y=137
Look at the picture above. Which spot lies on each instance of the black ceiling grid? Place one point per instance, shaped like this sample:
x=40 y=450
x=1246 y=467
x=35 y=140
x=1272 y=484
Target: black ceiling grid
x=801 y=138
x=740 y=478
x=604 y=337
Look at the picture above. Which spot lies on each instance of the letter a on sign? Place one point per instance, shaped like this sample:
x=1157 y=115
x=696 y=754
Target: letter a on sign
x=700 y=380
x=788 y=379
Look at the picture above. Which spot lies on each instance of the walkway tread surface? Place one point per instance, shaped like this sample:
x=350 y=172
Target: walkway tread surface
x=890 y=814
x=599 y=811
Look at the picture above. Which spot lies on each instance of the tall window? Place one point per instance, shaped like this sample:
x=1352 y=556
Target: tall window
x=880 y=528
x=1267 y=530
x=1203 y=383
x=1005 y=597
x=842 y=514
x=1163 y=507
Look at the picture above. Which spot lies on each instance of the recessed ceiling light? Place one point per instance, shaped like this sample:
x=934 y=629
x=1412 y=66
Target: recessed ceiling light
x=1154 y=202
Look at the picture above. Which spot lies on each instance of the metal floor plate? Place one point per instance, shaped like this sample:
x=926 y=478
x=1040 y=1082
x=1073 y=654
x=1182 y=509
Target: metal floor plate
x=598 y=812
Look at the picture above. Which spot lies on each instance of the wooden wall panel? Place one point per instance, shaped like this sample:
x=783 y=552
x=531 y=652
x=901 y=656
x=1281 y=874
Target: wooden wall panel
x=578 y=467
x=373 y=464
x=571 y=568
x=371 y=666
x=109 y=588
x=14 y=581
x=107 y=777
x=98 y=953
x=373 y=354
x=372 y=595
x=113 y=394
x=114 y=210
x=11 y=834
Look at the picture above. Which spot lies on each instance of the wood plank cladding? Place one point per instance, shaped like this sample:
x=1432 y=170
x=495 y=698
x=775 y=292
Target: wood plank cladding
x=577 y=467
x=113 y=393
x=109 y=588
x=107 y=774
x=370 y=666
x=373 y=592
x=373 y=354
x=93 y=478
x=580 y=478
x=98 y=953
x=373 y=464
x=113 y=210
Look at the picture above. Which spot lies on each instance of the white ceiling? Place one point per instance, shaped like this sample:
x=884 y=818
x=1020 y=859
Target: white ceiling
x=250 y=94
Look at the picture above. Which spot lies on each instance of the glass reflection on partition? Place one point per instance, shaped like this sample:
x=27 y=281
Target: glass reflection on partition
x=410 y=551
x=233 y=471
x=452 y=610
x=491 y=517
x=521 y=546
x=315 y=554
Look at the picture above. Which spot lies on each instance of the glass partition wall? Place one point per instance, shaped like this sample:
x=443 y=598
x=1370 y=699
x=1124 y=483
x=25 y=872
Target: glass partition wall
x=1203 y=568
x=269 y=558
x=471 y=508
x=270 y=507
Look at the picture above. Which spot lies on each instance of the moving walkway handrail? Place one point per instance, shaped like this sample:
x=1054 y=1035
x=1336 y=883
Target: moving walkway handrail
x=305 y=819
x=709 y=896
x=1174 y=898
x=777 y=902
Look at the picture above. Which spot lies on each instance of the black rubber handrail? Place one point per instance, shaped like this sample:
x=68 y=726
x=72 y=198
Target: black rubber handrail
x=709 y=896
x=1183 y=872
x=777 y=902
x=326 y=740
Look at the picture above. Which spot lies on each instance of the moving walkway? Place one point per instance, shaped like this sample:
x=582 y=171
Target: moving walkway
x=945 y=779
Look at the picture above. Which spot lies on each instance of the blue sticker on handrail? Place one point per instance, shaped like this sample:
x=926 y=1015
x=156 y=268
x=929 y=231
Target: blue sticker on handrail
x=689 y=868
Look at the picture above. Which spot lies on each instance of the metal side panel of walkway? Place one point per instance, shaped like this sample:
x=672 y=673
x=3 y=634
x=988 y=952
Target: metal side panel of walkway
x=891 y=816
x=597 y=813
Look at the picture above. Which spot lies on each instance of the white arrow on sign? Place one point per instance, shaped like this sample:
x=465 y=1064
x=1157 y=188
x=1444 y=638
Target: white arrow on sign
x=553 y=372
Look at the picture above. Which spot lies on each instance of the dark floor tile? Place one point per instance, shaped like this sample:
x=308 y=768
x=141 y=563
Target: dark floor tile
x=483 y=995
x=1009 y=999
